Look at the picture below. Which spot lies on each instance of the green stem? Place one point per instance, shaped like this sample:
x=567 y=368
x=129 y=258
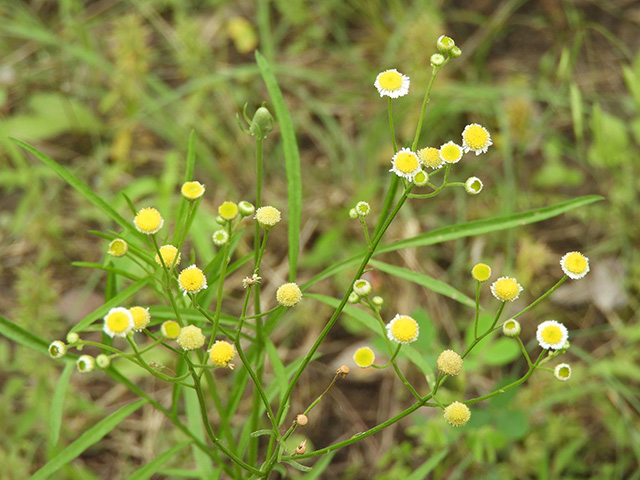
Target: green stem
x=425 y=101
x=475 y=321
x=542 y=297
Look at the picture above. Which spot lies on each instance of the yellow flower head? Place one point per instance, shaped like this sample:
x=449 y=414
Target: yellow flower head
x=574 y=265
x=405 y=164
x=57 y=349
x=148 y=221
x=451 y=152
x=476 y=138
x=562 y=372
x=552 y=335
x=141 y=317
x=481 y=272
x=457 y=414
x=192 y=280
x=192 y=190
x=118 y=322
x=85 y=363
x=392 y=83
x=288 y=294
x=228 y=210
x=430 y=157
x=221 y=353
x=403 y=329
x=449 y=362
x=118 y=248
x=170 y=329
x=364 y=357
x=506 y=289
x=267 y=216
x=362 y=209
x=190 y=337
x=170 y=256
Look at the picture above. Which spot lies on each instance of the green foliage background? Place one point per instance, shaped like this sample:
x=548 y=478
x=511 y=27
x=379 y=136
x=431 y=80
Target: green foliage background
x=112 y=90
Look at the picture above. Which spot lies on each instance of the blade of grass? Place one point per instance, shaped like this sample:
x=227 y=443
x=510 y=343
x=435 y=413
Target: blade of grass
x=467 y=229
x=195 y=424
x=18 y=334
x=57 y=406
x=292 y=162
x=156 y=464
x=425 y=281
x=88 y=438
x=80 y=186
x=277 y=365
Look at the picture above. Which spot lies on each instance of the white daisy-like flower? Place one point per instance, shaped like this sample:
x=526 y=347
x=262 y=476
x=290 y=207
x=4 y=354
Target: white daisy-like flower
x=405 y=163
x=562 y=372
x=118 y=322
x=574 y=265
x=552 y=335
x=403 y=329
x=392 y=83
x=476 y=138
x=473 y=185
x=451 y=152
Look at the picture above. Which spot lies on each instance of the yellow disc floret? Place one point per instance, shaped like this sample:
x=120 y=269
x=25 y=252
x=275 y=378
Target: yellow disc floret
x=148 y=221
x=190 y=337
x=405 y=164
x=221 y=354
x=118 y=248
x=192 y=280
x=481 y=272
x=451 y=152
x=288 y=294
x=170 y=256
x=403 y=329
x=574 y=265
x=267 y=216
x=118 y=322
x=430 y=157
x=457 y=414
x=449 y=362
x=170 y=329
x=476 y=138
x=364 y=357
x=192 y=190
x=228 y=210
x=506 y=289
x=141 y=317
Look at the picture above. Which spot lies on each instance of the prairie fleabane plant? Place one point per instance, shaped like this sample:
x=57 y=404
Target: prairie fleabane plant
x=201 y=336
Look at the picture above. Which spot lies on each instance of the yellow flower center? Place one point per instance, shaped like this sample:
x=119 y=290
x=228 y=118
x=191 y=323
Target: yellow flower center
x=228 y=210
x=450 y=153
x=148 y=220
x=390 y=81
x=268 y=216
x=576 y=263
x=406 y=162
x=564 y=372
x=168 y=253
x=457 y=414
x=364 y=357
x=506 y=289
x=404 y=329
x=191 y=279
x=476 y=137
x=288 y=294
x=476 y=186
x=430 y=157
x=140 y=316
x=221 y=353
x=191 y=337
x=118 y=322
x=170 y=329
x=510 y=325
x=481 y=272
x=551 y=334
x=118 y=248
x=192 y=190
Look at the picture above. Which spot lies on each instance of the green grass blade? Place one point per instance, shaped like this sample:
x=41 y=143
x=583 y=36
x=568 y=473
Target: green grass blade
x=188 y=176
x=292 y=162
x=57 y=405
x=195 y=423
x=278 y=366
x=425 y=281
x=363 y=317
x=80 y=186
x=15 y=332
x=114 y=302
x=156 y=464
x=427 y=467
x=88 y=438
x=462 y=230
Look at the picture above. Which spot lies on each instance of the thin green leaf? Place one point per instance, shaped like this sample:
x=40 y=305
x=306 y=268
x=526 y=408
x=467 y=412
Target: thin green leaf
x=278 y=366
x=57 y=405
x=196 y=426
x=260 y=433
x=15 y=332
x=88 y=438
x=362 y=316
x=156 y=464
x=299 y=466
x=427 y=467
x=114 y=302
x=107 y=268
x=292 y=162
x=462 y=230
x=188 y=176
x=426 y=281
x=80 y=186
x=417 y=358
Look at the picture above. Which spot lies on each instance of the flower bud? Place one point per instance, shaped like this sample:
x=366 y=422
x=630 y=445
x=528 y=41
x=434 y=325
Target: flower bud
x=246 y=209
x=455 y=52
x=103 y=361
x=302 y=419
x=437 y=60
x=445 y=44
x=302 y=448
x=72 y=337
x=262 y=123
x=343 y=371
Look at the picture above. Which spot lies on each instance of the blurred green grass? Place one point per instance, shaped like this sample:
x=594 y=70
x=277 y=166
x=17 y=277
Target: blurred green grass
x=113 y=89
